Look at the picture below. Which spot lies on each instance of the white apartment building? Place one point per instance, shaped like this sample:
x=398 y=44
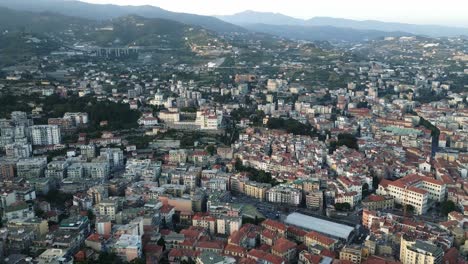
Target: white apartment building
x=78 y=119
x=45 y=135
x=158 y=99
x=75 y=171
x=169 y=117
x=57 y=170
x=273 y=85
x=108 y=208
x=54 y=255
x=413 y=196
x=228 y=225
x=31 y=167
x=436 y=189
x=414 y=190
x=417 y=251
x=114 y=156
x=284 y=195
x=18 y=150
x=206 y=221
x=352 y=198
x=128 y=247
x=208 y=120
x=96 y=170
x=217 y=184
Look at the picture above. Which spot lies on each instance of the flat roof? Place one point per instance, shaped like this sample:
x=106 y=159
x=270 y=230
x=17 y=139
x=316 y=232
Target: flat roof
x=320 y=225
x=424 y=246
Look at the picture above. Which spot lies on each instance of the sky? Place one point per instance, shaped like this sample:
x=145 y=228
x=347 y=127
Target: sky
x=446 y=12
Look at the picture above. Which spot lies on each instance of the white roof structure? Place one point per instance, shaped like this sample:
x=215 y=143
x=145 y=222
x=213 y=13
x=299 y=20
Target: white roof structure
x=319 y=225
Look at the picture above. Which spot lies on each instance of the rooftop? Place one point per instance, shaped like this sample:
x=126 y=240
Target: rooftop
x=323 y=226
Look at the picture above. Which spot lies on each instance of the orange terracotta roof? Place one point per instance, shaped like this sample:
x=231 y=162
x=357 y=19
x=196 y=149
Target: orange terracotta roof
x=234 y=249
x=320 y=238
x=274 y=224
x=283 y=245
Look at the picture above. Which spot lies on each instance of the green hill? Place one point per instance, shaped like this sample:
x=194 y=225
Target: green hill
x=139 y=31
x=17 y=47
x=46 y=22
x=105 y=12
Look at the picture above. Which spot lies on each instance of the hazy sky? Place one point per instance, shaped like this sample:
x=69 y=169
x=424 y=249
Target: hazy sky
x=444 y=12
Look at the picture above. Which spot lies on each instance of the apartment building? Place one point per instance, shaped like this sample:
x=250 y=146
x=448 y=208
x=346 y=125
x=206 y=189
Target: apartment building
x=414 y=190
x=208 y=120
x=227 y=225
x=45 y=135
x=206 y=221
x=18 y=150
x=418 y=251
x=57 y=170
x=285 y=249
x=169 y=117
x=256 y=190
x=352 y=198
x=108 y=208
x=77 y=119
x=54 y=255
x=352 y=254
x=315 y=238
x=31 y=167
x=314 y=200
x=378 y=202
x=114 y=157
x=128 y=247
x=284 y=195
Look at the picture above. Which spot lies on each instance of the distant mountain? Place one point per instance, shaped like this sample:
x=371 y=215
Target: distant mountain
x=105 y=12
x=322 y=33
x=16 y=47
x=122 y=31
x=30 y=22
x=252 y=17
x=428 y=30
x=140 y=31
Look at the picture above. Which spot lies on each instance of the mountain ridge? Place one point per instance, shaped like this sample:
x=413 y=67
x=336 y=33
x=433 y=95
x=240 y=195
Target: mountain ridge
x=253 y=17
x=101 y=12
x=323 y=33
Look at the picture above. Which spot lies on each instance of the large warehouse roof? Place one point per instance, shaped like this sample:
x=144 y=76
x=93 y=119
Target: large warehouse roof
x=322 y=226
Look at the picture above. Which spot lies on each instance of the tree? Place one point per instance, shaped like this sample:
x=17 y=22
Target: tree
x=365 y=189
x=57 y=198
x=161 y=242
x=447 y=207
x=363 y=104
x=39 y=212
x=256 y=175
x=211 y=149
x=409 y=208
x=342 y=206
x=291 y=126
x=137 y=261
x=163 y=223
x=375 y=182
x=344 y=139
x=108 y=258
x=176 y=218
x=91 y=215
x=435 y=132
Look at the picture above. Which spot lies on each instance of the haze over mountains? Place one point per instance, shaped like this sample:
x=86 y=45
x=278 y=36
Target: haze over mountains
x=318 y=28
x=105 y=12
x=252 y=19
